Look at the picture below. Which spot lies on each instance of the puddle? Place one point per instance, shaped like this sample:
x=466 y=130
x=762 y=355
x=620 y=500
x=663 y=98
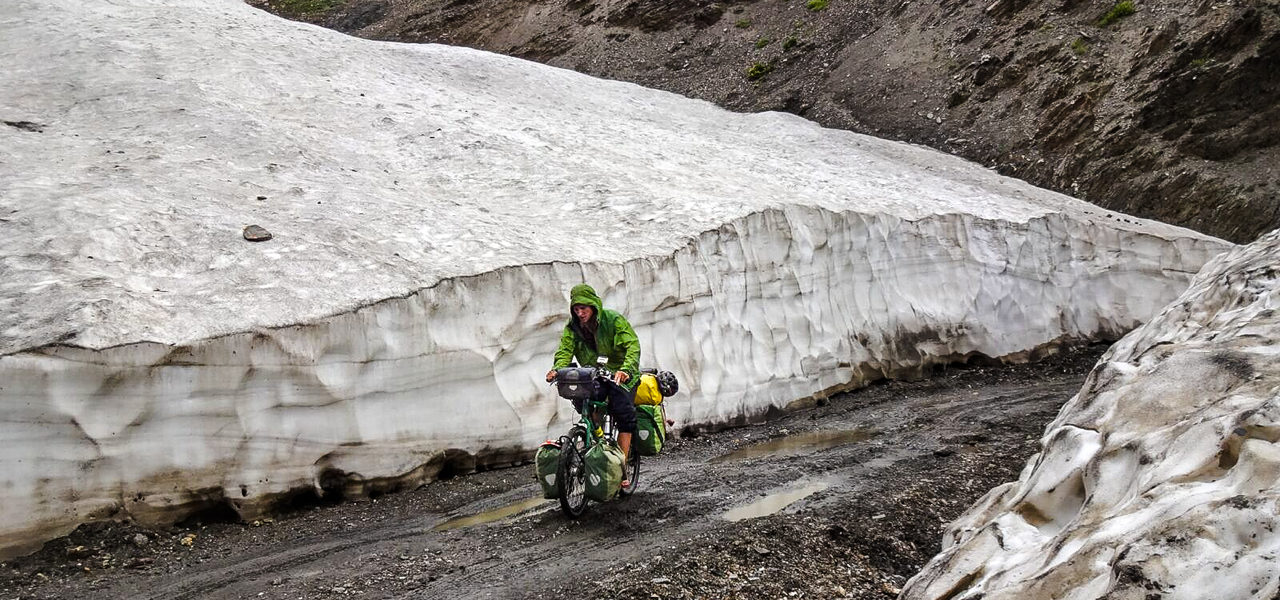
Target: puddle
x=774 y=502
x=799 y=444
x=490 y=516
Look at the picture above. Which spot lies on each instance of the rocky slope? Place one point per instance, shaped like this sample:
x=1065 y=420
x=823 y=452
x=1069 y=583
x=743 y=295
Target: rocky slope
x=1171 y=112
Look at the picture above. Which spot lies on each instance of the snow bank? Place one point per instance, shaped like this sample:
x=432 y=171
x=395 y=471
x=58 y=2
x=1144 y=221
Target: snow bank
x=430 y=208
x=1162 y=476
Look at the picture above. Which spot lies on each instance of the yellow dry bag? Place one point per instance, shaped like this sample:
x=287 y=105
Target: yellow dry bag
x=647 y=391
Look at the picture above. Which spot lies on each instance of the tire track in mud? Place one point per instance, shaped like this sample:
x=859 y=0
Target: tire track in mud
x=202 y=583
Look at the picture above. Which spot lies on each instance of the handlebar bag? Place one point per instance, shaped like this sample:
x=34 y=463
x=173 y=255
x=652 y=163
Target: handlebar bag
x=576 y=383
x=604 y=471
x=545 y=464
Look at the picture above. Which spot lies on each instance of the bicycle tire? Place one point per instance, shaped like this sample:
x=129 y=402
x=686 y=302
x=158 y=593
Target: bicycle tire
x=571 y=475
x=633 y=465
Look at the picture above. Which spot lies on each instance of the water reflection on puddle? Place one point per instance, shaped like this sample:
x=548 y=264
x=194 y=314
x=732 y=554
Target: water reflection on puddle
x=775 y=502
x=489 y=516
x=799 y=444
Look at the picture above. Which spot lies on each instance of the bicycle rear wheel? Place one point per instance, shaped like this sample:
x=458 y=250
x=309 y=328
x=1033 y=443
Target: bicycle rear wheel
x=571 y=476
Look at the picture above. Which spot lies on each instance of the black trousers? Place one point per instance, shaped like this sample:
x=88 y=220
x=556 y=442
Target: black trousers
x=622 y=405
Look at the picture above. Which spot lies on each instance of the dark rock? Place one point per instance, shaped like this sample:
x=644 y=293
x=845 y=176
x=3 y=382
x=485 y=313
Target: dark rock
x=139 y=562
x=254 y=233
x=26 y=126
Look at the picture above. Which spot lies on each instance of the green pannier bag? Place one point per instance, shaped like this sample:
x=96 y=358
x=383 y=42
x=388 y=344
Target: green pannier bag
x=651 y=429
x=604 y=471
x=545 y=464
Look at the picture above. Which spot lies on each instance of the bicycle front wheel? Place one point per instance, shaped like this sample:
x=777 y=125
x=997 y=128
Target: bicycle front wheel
x=571 y=476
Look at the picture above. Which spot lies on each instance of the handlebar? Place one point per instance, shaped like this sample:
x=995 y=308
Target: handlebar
x=583 y=374
x=597 y=372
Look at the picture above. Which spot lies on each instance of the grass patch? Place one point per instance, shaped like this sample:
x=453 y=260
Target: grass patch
x=762 y=42
x=743 y=23
x=1080 y=46
x=758 y=70
x=790 y=42
x=817 y=5
x=304 y=7
x=1200 y=62
x=1117 y=12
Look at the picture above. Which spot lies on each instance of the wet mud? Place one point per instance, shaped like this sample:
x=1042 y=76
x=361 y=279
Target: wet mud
x=775 y=502
x=844 y=500
x=805 y=443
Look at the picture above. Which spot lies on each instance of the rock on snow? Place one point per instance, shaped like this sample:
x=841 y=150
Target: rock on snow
x=429 y=207
x=1161 y=476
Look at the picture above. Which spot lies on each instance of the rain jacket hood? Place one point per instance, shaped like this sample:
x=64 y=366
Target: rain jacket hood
x=614 y=338
x=584 y=294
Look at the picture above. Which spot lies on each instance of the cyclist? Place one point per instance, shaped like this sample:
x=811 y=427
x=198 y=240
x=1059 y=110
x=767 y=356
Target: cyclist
x=594 y=331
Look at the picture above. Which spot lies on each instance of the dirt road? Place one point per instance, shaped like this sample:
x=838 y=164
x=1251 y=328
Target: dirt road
x=858 y=488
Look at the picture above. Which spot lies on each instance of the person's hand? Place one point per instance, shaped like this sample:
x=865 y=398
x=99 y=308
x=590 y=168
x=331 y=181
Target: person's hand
x=551 y=375
x=620 y=377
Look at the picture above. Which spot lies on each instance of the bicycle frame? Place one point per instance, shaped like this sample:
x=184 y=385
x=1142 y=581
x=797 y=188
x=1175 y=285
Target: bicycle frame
x=595 y=413
x=596 y=422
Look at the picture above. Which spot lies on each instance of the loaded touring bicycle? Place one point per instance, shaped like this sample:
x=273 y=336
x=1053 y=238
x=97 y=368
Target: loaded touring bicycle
x=586 y=463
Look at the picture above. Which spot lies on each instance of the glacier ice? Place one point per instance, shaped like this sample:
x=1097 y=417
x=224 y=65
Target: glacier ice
x=430 y=206
x=1161 y=476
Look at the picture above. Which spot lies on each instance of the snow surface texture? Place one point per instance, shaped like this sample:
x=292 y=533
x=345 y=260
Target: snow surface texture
x=1161 y=476
x=431 y=206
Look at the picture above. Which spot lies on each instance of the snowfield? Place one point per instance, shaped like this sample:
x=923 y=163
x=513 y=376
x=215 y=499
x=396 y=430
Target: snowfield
x=430 y=208
x=1161 y=476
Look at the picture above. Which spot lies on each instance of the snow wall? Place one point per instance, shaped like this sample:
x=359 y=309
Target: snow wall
x=1161 y=477
x=431 y=206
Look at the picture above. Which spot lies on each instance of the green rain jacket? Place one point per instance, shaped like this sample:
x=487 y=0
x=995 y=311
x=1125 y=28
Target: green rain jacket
x=614 y=338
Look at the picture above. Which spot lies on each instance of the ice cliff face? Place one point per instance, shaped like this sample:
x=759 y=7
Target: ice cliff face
x=1162 y=476
x=431 y=206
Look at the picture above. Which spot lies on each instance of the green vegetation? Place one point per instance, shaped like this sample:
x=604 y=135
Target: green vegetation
x=304 y=7
x=1117 y=12
x=790 y=43
x=1200 y=62
x=1080 y=46
x=742 y=23
x=817 y=5
x=758 y=70
x=762 y=42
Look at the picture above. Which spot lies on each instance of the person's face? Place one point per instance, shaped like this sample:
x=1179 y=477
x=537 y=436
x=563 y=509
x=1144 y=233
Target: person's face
x=583 y=312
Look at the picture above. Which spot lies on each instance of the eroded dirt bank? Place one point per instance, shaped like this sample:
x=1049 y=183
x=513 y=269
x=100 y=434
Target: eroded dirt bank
x=874 y=475
x=1166 y=110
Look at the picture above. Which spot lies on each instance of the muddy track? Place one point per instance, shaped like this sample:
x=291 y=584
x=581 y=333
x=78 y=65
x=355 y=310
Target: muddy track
x=871 y=476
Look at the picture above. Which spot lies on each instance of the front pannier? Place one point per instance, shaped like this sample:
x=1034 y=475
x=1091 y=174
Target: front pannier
x=545 y=464
x=604 y=471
